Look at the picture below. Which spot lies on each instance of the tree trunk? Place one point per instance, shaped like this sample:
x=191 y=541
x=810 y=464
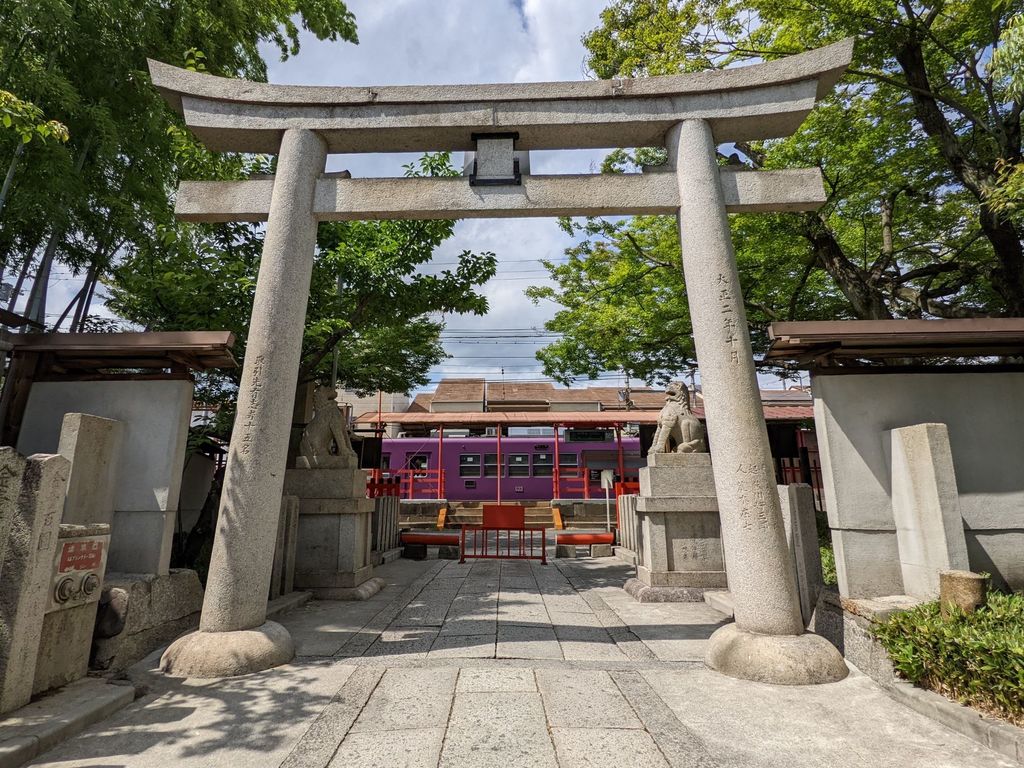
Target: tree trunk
x=1008 y=277
x=867 y=302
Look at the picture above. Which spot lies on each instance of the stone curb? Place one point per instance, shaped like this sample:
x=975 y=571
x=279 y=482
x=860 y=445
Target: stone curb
x=288 y=602
x=1001 y=737
x=61 y=716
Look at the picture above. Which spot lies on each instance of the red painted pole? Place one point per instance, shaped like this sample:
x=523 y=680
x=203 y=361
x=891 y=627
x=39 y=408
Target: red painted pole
x=622 y=463
x=440 y=461
x=556 y=474
x=499 y=464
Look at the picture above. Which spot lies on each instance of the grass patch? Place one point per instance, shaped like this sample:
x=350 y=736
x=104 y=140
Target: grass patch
x=974 y=658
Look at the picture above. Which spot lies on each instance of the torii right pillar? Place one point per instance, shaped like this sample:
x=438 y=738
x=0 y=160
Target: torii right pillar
x=767 y=642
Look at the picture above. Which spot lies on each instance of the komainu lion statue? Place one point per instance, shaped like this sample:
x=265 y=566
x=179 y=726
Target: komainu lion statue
x=325 y=441
x=677 y=425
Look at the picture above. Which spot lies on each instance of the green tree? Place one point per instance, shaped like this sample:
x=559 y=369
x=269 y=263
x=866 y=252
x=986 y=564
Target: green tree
x=107 y=190
x=1007 y=64
x=909 y=145
x=384 y=321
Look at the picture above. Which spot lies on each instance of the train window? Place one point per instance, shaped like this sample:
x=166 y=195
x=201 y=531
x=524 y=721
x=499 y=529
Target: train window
x=519 y=465
x=469 y=465
x=417 y=461
x=385 y=461
x=568 y=460
x=490 y=465
x=543 y=464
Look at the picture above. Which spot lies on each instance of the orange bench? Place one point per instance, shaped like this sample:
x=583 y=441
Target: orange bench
x=583 y=539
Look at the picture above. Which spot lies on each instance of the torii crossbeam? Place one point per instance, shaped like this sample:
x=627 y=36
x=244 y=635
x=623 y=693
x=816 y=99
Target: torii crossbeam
x=689 y=115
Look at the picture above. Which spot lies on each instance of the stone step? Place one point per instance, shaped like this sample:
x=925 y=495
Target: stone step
x=720 y=600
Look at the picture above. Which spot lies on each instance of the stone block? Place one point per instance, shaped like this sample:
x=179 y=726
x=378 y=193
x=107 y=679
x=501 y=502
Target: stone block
x=867 y=562
x=798 y=516
x=601 y=550
x=677 y=504
x=92 y=445
x=12 y=469
x=679 y=460
x=334 y=533
x=79 y=562
x=677 y=475
x=681 y=549
x=325 y=483
x=282 y=579
x=27 y=567
x=565 y=550
x=926 y=508
x=139 y=613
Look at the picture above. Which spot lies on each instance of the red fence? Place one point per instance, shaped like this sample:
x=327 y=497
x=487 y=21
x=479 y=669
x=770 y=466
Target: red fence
x=378 y=486
x=504 y=534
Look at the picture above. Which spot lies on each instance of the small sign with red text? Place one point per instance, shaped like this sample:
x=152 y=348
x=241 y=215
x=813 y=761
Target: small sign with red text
x=81 y=556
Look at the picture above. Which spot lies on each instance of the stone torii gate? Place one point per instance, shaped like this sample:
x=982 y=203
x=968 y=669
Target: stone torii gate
x=689 y=115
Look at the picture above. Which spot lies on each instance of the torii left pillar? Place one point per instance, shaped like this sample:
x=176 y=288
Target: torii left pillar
x=234 y=636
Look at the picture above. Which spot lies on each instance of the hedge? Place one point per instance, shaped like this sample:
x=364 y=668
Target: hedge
x=975 y=658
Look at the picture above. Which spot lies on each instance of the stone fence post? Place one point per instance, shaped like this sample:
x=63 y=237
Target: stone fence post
x=31 y=500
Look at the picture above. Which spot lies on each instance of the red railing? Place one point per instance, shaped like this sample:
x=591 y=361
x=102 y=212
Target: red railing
x=421 y=483
x=574 y=482
x=378 y=486
x=503 y=535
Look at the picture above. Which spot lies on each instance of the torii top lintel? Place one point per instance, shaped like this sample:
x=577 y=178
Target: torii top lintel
x=755 y=102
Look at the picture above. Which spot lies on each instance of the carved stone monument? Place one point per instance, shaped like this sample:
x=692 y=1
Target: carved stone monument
x=678 y=428
x=333 y=542
x=680 y=549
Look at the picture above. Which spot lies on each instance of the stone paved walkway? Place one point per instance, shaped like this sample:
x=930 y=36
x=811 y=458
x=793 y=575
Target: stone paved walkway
x=510 y=664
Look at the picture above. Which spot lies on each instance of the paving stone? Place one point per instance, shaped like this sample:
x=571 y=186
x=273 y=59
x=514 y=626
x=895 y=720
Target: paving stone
x=409 y=698
x=849 y=724
x=559 y=618
x=482 y=680
x=566 y=603
x=470 y=627
x=318 y=743
x=409 y=748
x=497 y=729
x=587 y=644
x=480 y=586
x=603 y=747
x=463 y=647
x=518 y=582
x=402 y=642
x=533 y=642
x=581 y=698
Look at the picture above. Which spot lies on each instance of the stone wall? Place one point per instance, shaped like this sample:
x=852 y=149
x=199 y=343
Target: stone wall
x=984 y=413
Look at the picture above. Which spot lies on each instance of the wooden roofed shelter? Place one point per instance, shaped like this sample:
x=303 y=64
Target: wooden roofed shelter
x=103 y=357
x=878 y=383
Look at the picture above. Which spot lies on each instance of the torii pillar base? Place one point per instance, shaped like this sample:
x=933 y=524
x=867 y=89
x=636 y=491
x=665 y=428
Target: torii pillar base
x=227 y=654
x=806 y=659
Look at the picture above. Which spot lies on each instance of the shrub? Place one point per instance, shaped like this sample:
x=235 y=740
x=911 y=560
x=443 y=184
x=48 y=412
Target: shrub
x=975 y=658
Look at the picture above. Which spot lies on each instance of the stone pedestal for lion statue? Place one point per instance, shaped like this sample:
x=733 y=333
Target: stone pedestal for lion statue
x=680 y=540
x=333 y=543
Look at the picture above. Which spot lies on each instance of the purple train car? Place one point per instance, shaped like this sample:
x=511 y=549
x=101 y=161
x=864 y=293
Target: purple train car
x=528 y=468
